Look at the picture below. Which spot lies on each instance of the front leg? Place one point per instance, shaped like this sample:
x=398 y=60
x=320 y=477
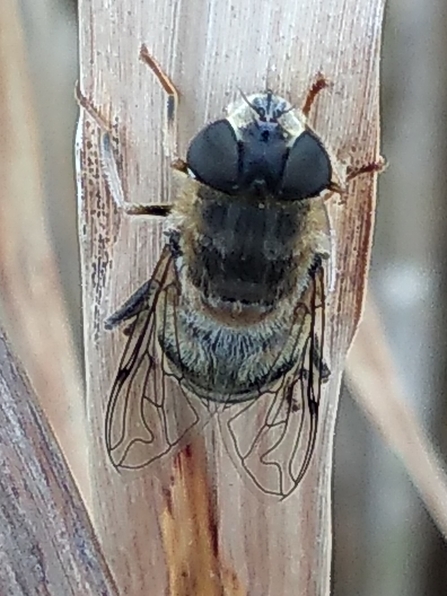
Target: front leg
x=318 y=85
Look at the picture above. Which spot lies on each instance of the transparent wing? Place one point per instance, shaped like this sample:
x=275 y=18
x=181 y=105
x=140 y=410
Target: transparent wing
x=272 y=438
x=148 y=414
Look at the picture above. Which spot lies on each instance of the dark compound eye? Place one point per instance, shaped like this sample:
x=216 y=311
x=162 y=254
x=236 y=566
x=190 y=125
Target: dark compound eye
x=308 y=168
x=213 y=156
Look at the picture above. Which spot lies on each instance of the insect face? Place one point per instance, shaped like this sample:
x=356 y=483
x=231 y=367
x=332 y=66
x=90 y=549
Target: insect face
x=262 y=148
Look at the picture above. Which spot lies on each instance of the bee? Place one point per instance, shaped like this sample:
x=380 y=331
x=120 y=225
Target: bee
x=231 y=325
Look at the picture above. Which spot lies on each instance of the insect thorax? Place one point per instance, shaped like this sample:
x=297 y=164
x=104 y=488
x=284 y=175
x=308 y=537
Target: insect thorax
x=244 y=249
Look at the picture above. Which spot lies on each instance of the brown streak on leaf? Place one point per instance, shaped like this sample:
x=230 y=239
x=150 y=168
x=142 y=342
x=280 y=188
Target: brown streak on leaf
x=190 y=532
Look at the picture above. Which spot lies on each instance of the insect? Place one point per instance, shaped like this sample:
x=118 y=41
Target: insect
x=231 y=324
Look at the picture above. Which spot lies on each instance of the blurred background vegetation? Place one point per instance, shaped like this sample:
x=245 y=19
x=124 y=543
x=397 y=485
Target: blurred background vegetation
x=385 y=542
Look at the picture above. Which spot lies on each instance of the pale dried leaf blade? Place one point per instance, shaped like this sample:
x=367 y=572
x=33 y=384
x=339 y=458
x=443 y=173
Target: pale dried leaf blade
x=210 y=50
x=375 y=384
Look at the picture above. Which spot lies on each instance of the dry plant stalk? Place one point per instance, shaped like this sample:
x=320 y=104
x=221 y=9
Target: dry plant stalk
x=184 y=528
x=48 y=545
x=375 y=385
x=31 y=299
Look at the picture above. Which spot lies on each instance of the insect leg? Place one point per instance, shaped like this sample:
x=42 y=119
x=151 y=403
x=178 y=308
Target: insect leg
x=316 y=357
x=353 y=172
x=110 y=168
x=318 y=85
x=319 y=362
x=367 y=168
x=138 y=302
x=172 y=101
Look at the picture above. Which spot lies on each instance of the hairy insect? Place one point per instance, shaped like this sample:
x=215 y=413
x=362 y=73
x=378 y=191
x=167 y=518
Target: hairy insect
x=231 y=325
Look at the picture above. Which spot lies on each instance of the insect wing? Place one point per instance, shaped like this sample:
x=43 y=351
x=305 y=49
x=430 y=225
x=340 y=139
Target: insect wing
x=272 y=438
x=148 y=414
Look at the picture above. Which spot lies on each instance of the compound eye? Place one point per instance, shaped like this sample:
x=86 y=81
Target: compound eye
x=213 y=156
x=308 y=168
